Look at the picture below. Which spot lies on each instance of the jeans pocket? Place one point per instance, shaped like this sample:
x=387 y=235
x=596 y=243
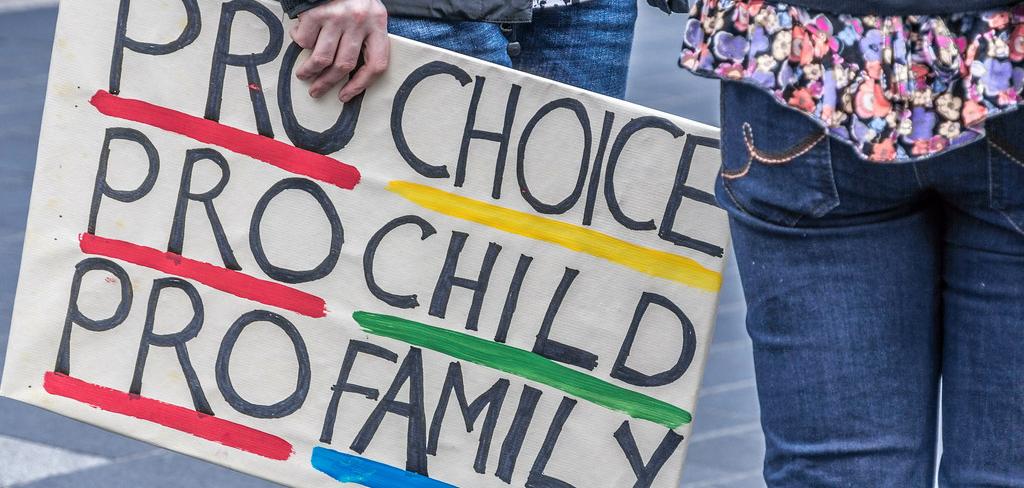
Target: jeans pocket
x=776 y=162
x=1006 y=166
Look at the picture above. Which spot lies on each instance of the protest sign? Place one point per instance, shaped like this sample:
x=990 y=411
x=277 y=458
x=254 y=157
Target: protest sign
x=469 y=276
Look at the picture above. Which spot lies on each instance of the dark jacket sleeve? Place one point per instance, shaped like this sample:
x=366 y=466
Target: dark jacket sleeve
x=477 y=10
x=670 y=6
x=481 y=10
x=295 y=7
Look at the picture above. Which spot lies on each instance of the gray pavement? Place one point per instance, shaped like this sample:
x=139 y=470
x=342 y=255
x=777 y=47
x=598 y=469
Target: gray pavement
x=39 y=449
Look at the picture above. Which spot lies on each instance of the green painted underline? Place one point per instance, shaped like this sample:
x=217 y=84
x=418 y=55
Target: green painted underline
x=524 y=364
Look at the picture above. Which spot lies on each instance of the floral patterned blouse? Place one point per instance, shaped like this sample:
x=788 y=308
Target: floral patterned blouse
x=896 y=88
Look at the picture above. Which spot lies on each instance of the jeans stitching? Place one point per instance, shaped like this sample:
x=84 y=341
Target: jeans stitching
x=827 y=204
x=917 y=175
x=1006 y=153
x=799 y=149
x=738 y=174
x=736 y=201
x=796 y=151
x=994 y=189
x=743 y=209
x=1012 y=222
x=824 y=205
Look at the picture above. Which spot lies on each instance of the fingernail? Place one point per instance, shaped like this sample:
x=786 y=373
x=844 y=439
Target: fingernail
x=345 y=98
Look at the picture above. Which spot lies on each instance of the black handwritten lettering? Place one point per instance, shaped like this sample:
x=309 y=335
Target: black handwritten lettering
x=502 y=138
x=337 y=233
x=103 y=189
x=355 y=348
x=432 y=68
x=537 y=478
x=399 y=301
x=447 y=279
x=689 y=347
x=282 y=408
x=328 y=141
x=595 y=175
x=646 y=472
x=627 y=132
x=176 y=340
x=75 y=316
x=581 y=114
x=512 y=299
x=177 y=239
x=411 y=371
x=552 y=349
x=193 y=25
x=223 y=57
x=517 y=433
x=679 y=191
x=491 y=400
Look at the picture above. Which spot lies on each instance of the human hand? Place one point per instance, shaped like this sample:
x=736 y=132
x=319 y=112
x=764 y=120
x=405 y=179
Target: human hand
x=337 y=31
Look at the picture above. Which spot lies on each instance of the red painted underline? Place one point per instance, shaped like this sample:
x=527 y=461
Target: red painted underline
x=172 y=416
x=266 y=149
x=223 y=279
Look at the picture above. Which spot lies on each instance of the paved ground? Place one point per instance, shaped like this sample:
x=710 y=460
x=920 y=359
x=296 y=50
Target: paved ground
x=726 y=448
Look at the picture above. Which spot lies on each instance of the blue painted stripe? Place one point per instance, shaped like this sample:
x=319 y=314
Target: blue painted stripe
x=354 y=469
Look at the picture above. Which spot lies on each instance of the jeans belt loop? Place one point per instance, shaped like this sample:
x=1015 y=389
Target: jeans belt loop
x=514 y=48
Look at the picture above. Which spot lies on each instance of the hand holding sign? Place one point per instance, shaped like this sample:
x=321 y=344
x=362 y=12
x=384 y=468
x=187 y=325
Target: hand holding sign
x=336 y=31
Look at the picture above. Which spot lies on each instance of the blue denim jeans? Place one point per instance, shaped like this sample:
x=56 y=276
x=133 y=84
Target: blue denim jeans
x=585 y=45
x=867 y=285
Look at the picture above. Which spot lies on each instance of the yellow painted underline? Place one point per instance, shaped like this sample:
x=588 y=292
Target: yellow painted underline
x=580 y=239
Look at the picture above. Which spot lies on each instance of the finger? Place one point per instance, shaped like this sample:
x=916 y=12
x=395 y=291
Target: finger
x=376 y=56
x=344 y=63
x=323 y=54
x=304 y=33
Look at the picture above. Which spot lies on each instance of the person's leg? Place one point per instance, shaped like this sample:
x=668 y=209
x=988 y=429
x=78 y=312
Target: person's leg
x=839 y=261
x=480 y=40
x=586 y=45
x=983 y=350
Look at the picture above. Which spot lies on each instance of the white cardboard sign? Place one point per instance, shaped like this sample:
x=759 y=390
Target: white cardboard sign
x=469 y=276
